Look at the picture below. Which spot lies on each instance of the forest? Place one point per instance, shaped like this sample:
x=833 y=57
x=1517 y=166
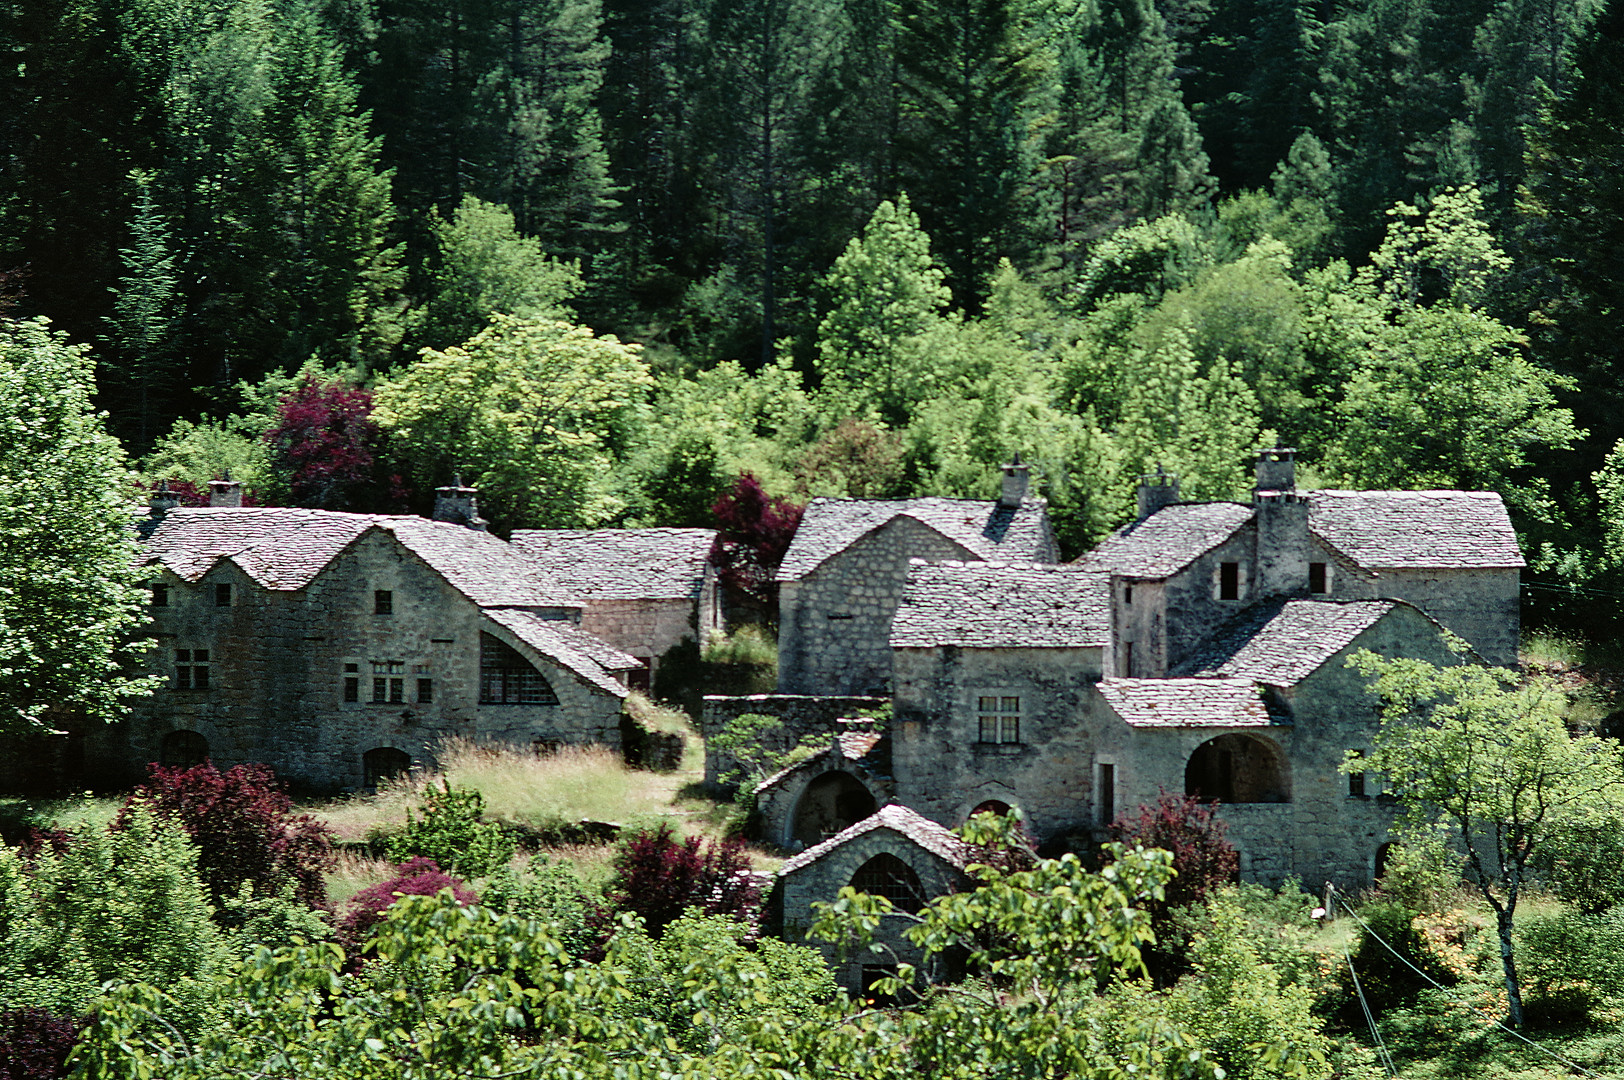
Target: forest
x=604 y=256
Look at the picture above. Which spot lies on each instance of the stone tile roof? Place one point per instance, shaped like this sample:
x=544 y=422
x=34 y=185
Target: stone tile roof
x=1402 y=530
x=1002 y=605
x=566 y=644
x=621 y=564
x=285 y=549
x=1168 y=703
x=984 y=529
x=1167 y=541
x=899 y=819
x=1281 y=642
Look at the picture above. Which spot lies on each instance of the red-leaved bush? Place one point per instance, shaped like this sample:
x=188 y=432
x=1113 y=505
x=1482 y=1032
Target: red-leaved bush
x=1185 y=826
x=244 y=827
x=34 y=1044
x=415 y=877
x=331 y=450
x=754 y=531
x=660 y=877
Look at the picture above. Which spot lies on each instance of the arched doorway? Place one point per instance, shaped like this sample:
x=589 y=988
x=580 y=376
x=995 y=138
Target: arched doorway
x=1379 y=866
x=995 y=807
x=832 y=802
x=1237 y=769
x=888 y=876
x=385 y=763
x=183 y=750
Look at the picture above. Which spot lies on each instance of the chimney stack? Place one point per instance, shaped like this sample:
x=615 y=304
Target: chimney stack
x=225 y=491
x=1156 y=490
x=163 y=500
x=458 y=505
x=1017 y=477
x=1282 y=525
x=1276 y=471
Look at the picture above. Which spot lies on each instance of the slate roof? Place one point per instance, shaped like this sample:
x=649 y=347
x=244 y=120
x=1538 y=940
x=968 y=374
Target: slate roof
x=1167 y=541
x=621 y=564
x=899 y=819
x=1403 y=530
x=593 y=660
x=1001 y=605
x=1173 y=703
x=1281 y=642
x=285 y=549
x=985 y=529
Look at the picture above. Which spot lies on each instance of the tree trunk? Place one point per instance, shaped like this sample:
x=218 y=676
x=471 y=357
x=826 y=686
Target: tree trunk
x=1514 y=1009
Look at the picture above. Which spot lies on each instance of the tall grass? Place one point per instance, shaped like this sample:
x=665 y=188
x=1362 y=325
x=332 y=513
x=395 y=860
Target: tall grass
x=749 y=644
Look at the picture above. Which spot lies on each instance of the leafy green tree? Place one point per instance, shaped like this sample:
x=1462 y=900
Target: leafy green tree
x=531 y=410
x=70 y=595
x=484 y=265
x=1488 y=753
x=885 y=292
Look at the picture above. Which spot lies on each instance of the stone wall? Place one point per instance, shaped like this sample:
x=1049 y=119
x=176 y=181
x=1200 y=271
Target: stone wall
x=647 y=629
x=1481 y=606
x=835 y=623
x=278 y=665
x=802 y=716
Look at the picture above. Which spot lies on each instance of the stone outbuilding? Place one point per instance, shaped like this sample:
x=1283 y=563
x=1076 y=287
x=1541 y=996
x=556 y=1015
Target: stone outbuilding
x=645 y=591
x=820 y=797
x=895 y=853
x=843 y=576
x=341 y=648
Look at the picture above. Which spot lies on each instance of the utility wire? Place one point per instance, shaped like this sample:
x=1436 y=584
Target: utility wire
x=1337 y=896
x=1370 y=1017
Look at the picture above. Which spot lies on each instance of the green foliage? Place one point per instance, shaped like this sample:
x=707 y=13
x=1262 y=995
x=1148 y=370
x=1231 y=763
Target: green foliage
x=1277 y=924
x=1393 y=974
x=454 y=833
x=1422 y=872
x=1573 y=956
x=125 y=905
x=532 y=409
x=274 y=920
x=486 y=266
x=551 y=894
x=1584 y=864
x=69 y=588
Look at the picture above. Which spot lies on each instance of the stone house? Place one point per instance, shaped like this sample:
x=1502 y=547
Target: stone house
x=845 y=571
x=645 y=591
x=1201 y=649
x=340 y=648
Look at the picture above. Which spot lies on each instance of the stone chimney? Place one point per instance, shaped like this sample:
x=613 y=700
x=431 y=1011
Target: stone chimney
x=225 y=491
x=458 y=505
x=163 y=500
x=1017 y=477
x=1156 y=490
x=1282 y=525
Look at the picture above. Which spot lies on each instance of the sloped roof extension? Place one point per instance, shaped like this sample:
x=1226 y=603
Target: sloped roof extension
x=984 y=529
x=1282 y=642
x=995 y=605
x=1178 y=703
x=1168 y=540
x=593 y=660
x=913 y=826
x=621 y=564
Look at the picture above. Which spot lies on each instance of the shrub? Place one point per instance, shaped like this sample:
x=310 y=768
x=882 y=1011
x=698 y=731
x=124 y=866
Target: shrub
x=244 y=827
x=659 y=877
x=1390 y=981
x=1423 y=873
x=34 y=1044
x=453 y=832
x=1571 y=961
x=415 y=877
x=1584 y=864
x=550 y=893
x=1203 y=860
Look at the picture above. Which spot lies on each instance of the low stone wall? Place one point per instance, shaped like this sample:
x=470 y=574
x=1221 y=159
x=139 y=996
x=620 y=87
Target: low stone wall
x=801 y=714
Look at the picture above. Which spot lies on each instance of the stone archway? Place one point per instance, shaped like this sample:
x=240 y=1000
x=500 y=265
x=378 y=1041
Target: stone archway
x=1238 y=769
x=832 y=802
x=996 y=807
x=384 y=763
x=888 y=876
x=183 y=750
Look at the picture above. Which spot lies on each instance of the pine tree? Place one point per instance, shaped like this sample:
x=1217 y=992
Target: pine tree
x=142 y=326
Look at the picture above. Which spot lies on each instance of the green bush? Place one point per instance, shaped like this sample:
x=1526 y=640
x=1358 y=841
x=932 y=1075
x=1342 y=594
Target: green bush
x=1423 y=873
x=552 y=894
x=454 y=833
x=1390 y=981
x=1571 y=962
x=1278 y=923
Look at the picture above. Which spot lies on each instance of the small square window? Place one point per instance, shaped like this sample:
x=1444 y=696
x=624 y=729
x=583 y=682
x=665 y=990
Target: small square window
x=383 y=602
x=160 y=596
x=380 y=690
x=352 y=688
x=1229 y=581
x=998 y=718
x=1317 y=582
x=425 y=691
x=222 y=596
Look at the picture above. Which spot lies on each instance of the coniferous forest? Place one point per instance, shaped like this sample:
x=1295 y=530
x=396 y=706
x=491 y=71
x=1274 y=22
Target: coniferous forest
x=604 y=256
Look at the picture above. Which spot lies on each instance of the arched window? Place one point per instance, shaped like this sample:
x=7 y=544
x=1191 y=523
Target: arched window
x=507 y=678
x=888 y=876
x=182 y=750
x=996 y=807
x=832 y=802
x=1237 y=769
x=385 y=763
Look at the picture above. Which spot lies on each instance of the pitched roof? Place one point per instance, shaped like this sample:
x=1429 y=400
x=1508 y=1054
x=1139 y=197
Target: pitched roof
x=1002 y=605
x=1397 y=530
x=899 y=819
x=559 y=640
x=1281 y=642
x=1166 y=541
x=1167 y=703
x=285 y=549
x=984 y=529
x=621 y=564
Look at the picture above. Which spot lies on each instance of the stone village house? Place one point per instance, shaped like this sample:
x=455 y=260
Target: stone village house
x=1199 y=649
x=341 y=648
